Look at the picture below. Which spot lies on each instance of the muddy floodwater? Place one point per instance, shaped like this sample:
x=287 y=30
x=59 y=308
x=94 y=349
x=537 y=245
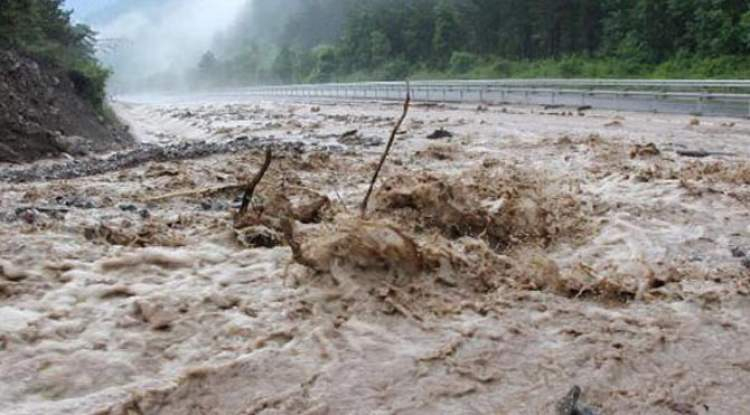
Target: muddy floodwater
x=520 y=253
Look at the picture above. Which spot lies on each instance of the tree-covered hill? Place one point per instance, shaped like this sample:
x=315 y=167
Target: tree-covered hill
x=326 y=40
x=43 y=30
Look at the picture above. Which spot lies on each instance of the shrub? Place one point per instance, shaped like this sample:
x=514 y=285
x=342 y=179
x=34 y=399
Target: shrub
x=463 y=62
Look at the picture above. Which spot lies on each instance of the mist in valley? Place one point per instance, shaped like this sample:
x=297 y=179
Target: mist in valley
x=153 y=45
x=201 y=44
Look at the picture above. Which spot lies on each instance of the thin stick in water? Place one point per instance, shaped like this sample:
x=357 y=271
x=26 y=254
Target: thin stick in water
x=250 y=189
x=387 y=150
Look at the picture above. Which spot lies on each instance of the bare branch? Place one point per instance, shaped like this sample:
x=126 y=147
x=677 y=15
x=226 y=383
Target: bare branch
x=387 y=149
x=250 y=189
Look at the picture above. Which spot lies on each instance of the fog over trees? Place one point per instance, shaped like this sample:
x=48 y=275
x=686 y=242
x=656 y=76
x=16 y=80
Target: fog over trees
x=166 y=44
x=337 y=40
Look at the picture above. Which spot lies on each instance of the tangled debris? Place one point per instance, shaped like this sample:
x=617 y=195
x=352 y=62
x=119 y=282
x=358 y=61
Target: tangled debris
x=504 y=206
x=644 y=150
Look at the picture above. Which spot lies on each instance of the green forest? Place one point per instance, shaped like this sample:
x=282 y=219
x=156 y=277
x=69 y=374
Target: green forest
x=353 y=40
x=43 y=30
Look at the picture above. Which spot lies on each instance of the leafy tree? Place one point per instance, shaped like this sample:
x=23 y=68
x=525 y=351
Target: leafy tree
x=380 y=48
x=388 y=39
x=43 y=28
x=446 y=38
x=208 y=63
x=283 y=66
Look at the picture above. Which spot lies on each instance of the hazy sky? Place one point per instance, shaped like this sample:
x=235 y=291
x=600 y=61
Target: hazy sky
x=84 y=8
x=156 y=35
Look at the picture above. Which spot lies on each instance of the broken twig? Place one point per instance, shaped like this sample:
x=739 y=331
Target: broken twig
x=250 y=189
x=387 y=149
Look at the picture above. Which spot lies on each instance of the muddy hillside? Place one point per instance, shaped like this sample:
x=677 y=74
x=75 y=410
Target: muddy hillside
x=512 y=260
x=42 y=114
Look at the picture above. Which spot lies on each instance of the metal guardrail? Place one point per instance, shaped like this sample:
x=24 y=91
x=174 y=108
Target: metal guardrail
x=717 y=97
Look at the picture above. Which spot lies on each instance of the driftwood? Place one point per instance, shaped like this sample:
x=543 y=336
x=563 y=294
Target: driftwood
x=250 y=189
x=387 y=150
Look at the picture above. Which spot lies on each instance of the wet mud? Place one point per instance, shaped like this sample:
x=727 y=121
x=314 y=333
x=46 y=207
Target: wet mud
x=529 y=263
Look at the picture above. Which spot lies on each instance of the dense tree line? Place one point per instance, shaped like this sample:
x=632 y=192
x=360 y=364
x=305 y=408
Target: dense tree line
x=44 y=30
x=323 y=40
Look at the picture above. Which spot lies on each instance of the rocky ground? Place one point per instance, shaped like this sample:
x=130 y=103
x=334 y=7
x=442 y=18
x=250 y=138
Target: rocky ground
x=499 y=266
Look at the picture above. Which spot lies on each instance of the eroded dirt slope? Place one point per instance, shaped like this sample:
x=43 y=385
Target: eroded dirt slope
x=41 y=116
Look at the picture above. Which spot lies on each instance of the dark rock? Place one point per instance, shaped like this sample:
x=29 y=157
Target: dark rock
x=552 y=107
x=144 y=213
x=441 y=133
x=694 y=154
x=128 y=208
x=349 y=133
x=737 y=252
x=746 y=263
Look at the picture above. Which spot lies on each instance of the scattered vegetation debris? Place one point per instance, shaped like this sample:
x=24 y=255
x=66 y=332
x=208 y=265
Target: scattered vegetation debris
x=482 y=108
x=614 y=123
x=439 y=134
x=126 y=234
x=441 y=152
x=694 y=122
x=315 y=109
x=312 y=210
x=387 y=150
x=644 y=150
x=259 y=236
x=570 y=404
x=359 y=140
x=504 y=207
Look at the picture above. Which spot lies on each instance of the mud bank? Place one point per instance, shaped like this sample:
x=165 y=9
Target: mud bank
x=497 y=268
